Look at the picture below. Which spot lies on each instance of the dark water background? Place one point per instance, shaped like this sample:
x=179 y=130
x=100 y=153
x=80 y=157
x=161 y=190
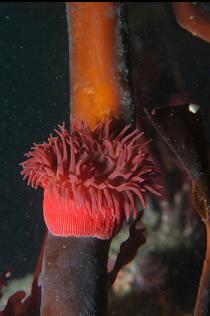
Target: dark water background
x=34 y=98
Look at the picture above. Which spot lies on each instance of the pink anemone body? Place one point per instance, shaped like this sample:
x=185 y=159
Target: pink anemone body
x=92 y=179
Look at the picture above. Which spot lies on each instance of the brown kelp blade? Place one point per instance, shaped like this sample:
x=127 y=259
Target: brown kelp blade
x=183 y=132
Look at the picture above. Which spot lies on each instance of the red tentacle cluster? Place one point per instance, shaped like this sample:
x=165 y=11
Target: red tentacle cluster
x=92 y=178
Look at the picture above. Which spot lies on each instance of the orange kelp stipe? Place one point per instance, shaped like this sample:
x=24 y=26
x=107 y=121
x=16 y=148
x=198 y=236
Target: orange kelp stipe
x=95 y=61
